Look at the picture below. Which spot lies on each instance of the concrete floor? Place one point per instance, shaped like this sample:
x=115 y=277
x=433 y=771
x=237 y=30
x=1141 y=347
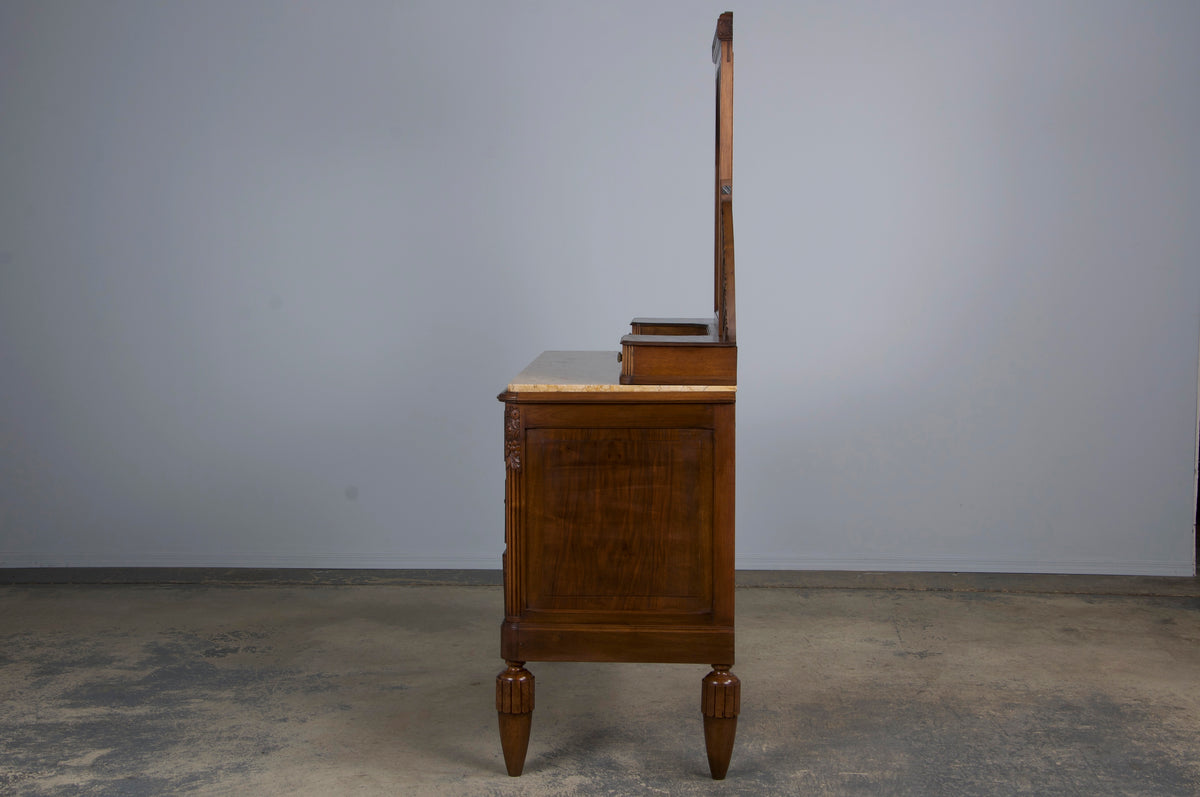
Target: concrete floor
x=385 y=689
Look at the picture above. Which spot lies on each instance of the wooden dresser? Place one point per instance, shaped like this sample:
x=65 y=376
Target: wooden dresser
x=619 y=523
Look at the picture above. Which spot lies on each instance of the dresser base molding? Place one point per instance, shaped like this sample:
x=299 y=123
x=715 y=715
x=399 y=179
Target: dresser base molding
x=561 y=642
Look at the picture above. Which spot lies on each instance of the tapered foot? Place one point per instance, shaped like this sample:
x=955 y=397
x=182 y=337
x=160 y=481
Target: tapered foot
x=514 y=705
x=721 y=702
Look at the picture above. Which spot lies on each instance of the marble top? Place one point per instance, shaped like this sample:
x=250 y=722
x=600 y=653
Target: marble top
x=589 y=372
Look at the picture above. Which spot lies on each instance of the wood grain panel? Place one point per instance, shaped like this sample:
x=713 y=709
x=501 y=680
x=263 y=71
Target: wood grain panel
x=625 y=521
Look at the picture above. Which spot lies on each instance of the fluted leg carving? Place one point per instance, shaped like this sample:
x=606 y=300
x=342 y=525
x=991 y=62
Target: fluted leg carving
x=514 y=705
x=721 y=702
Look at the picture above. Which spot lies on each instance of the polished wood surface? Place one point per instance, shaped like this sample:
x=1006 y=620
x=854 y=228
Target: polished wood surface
x=609 y=540
x=678 y=360
x=619 y=496
x=619 y=538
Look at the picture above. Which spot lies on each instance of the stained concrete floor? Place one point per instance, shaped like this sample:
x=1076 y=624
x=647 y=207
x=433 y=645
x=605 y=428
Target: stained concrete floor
x=386 y=689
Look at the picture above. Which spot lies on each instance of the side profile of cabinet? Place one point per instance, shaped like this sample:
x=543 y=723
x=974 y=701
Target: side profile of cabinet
x=619 y=525
x=619 y=496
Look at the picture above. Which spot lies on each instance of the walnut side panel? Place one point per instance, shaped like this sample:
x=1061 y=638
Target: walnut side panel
x=624 y=520
x=620 y=528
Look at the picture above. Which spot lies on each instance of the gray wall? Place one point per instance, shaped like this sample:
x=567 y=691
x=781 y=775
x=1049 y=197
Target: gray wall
x=265 y=264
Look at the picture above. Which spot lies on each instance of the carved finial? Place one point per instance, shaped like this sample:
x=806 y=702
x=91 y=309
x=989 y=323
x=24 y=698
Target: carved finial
x=725 y=26
x=724 y=34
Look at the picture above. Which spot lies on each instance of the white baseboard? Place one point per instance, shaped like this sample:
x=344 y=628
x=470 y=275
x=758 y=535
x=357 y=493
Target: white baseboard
x=322 y=561
x=971 y=565
x=339 y=561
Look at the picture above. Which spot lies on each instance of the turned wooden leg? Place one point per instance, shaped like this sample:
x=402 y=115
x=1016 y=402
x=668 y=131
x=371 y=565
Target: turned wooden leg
x=721 y=702
x=514 y=704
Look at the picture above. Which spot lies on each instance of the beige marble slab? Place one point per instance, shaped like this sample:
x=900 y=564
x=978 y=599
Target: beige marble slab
x=589 y=372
